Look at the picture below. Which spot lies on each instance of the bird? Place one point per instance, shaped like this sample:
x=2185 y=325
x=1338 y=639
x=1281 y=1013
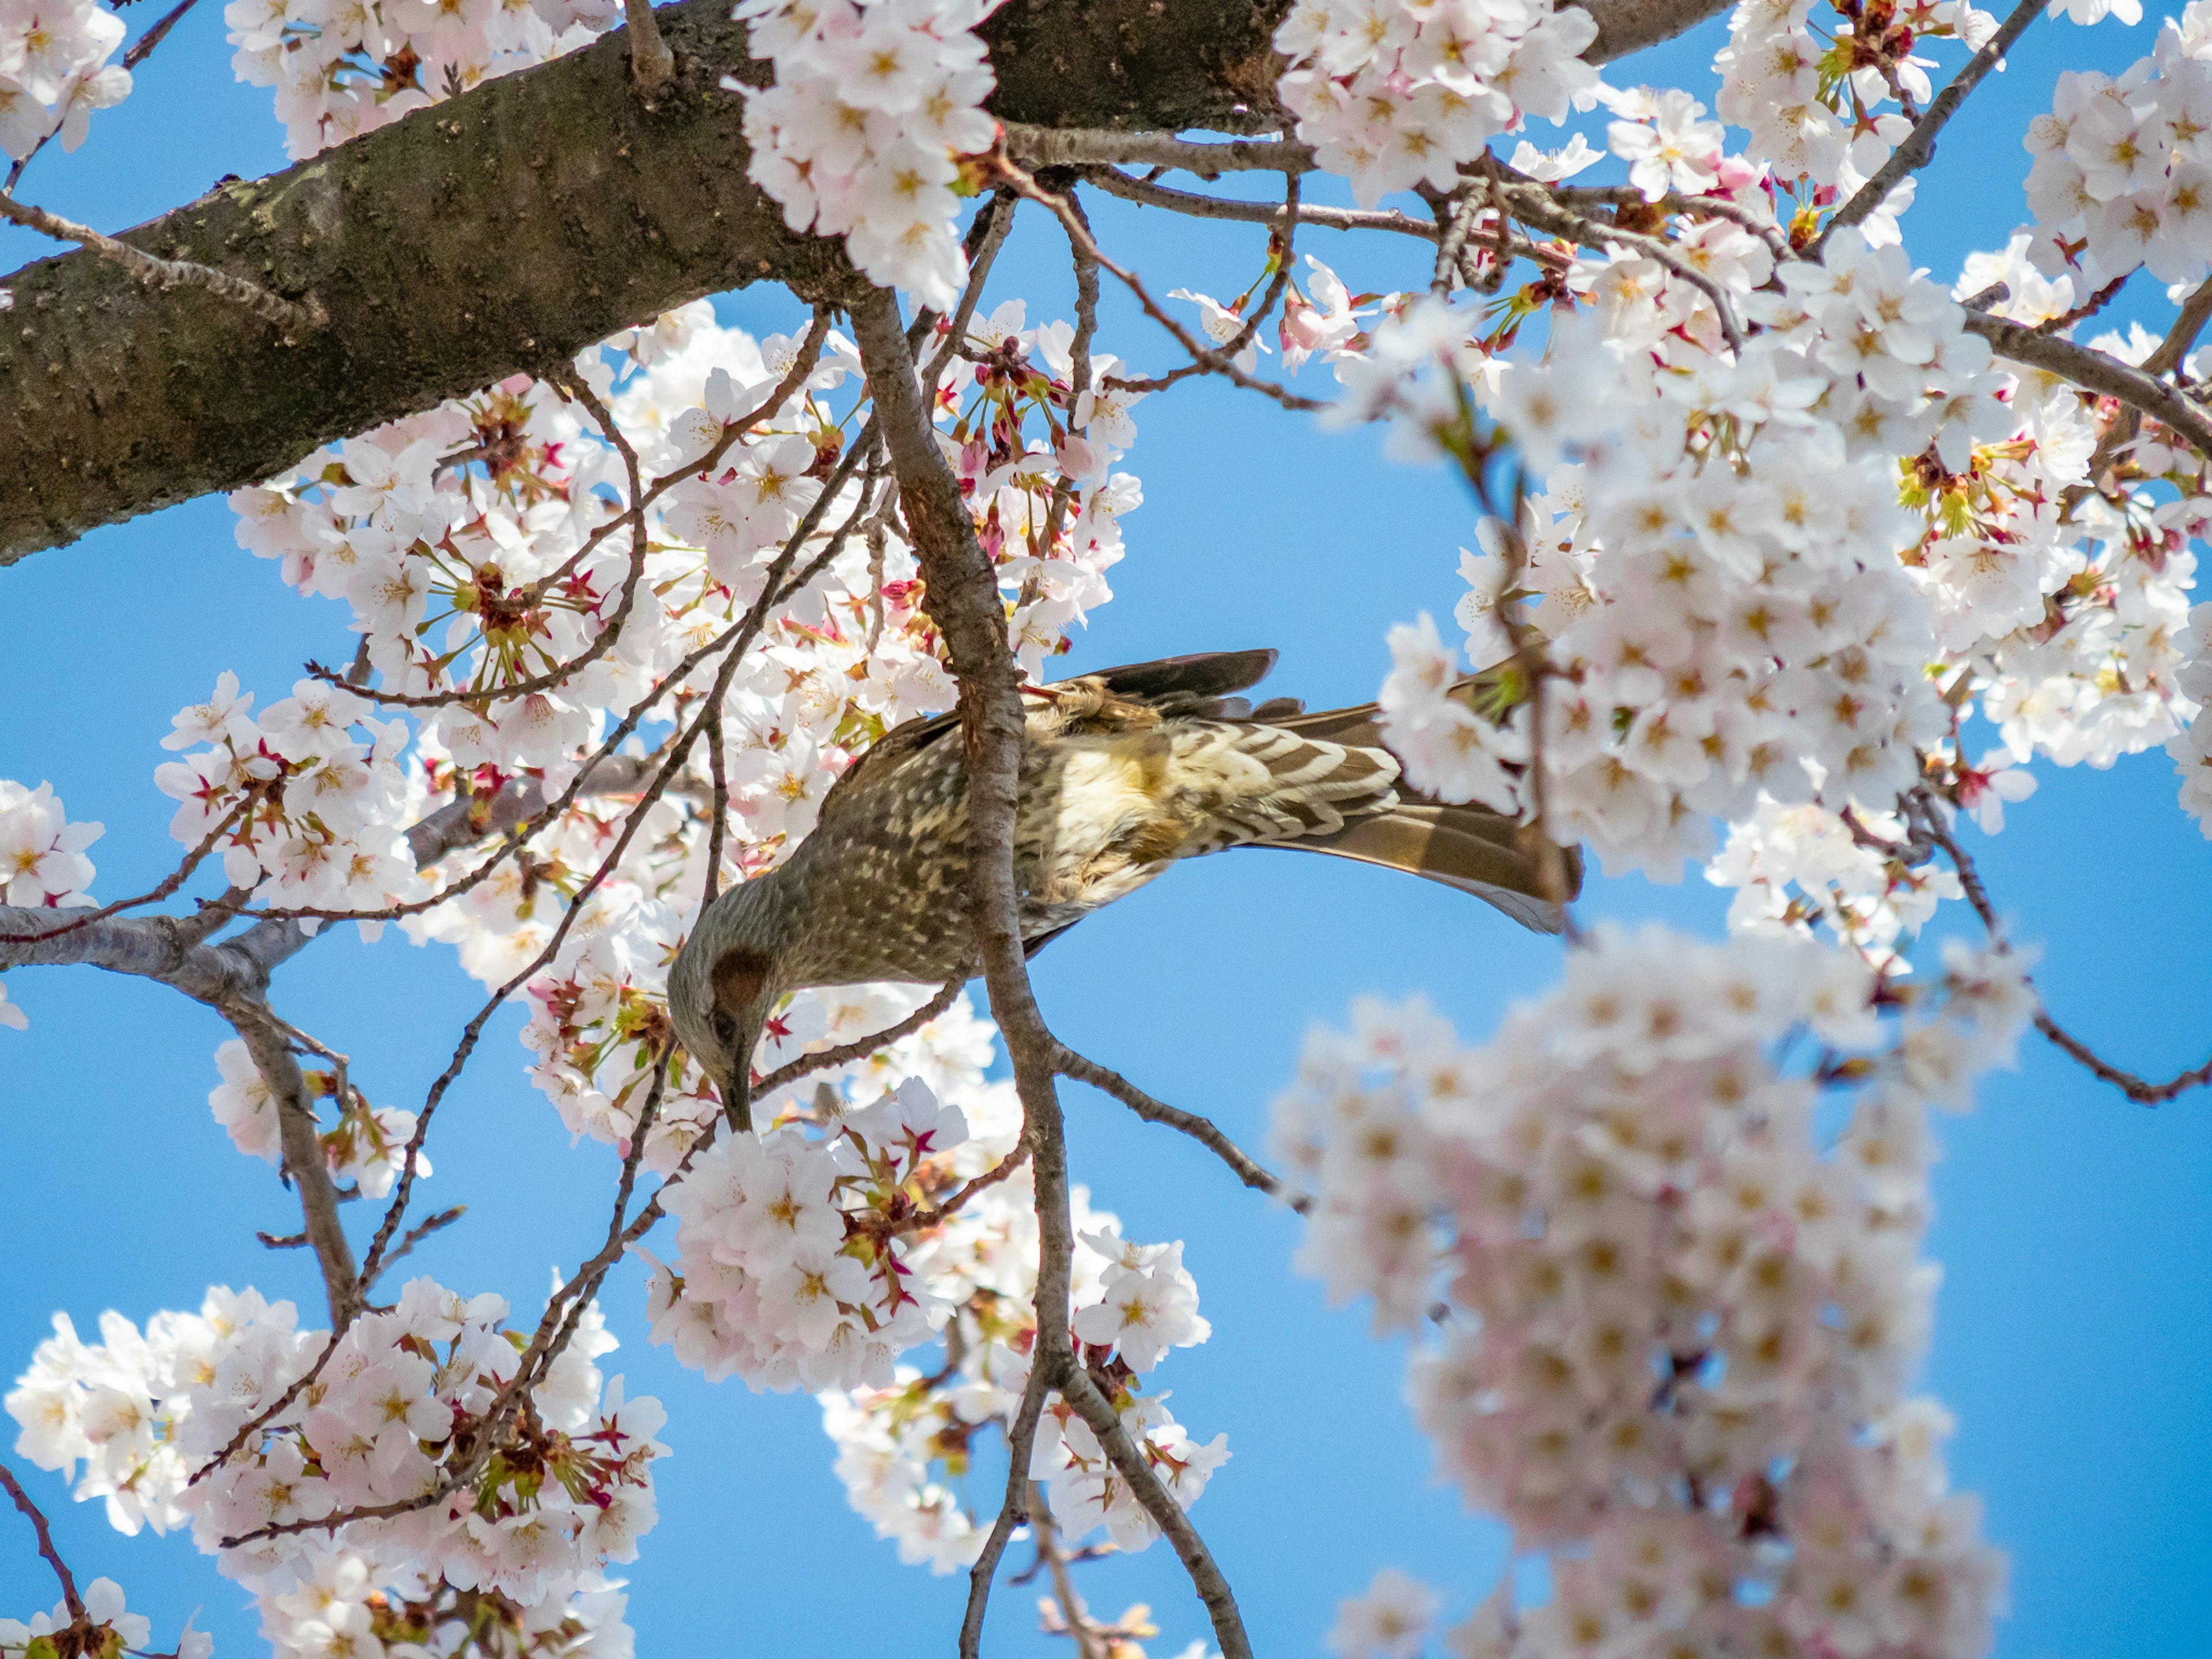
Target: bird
x=1122 y=773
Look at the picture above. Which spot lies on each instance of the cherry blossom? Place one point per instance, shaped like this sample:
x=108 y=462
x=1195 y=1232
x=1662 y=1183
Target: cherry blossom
x=1677 y=1323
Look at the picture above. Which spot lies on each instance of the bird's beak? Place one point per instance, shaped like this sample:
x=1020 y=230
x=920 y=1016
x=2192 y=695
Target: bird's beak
x=737 y=1092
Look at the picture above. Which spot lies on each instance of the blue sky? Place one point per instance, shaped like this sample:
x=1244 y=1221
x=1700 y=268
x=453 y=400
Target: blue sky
x=2074 y=1326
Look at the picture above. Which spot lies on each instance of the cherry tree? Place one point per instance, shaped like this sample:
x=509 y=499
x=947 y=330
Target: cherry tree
x=1765 y=521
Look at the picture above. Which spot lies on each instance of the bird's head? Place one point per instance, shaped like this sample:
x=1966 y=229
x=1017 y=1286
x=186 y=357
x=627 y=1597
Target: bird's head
x=722 y=986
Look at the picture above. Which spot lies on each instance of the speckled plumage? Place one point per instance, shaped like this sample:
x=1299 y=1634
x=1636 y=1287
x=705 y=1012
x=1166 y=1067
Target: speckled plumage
x=1123 y=773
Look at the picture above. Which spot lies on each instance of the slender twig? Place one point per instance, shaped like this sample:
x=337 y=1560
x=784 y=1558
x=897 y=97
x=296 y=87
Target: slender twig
x=1072 y=1613
x=938 y=1215
x=1201 y=1129
x=2088 y=308
x=2137 y=1089
x=717 y=769
x=267 y=1040
x=1193 y=205
x=416 y=1234
x=297 y=319
x=1212 y=361
x=70 y=1597
x=825 y=1059
x=161 y=889
x=143 y=47
x=1167 y=1514
x=987 y=236
x=1918 y=148
x=1229 y=350
x=1021 y=1441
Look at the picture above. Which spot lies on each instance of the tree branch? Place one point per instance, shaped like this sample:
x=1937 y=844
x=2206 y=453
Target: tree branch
x=1200 y=1129
x=297 y=320
x=1918 y=148
x=38 y=1520
x=2143 y=1093
x=266 y=1040
x=962 y=594
x=2095 y=371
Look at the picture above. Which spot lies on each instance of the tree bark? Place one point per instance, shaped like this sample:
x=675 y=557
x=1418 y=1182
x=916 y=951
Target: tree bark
x=505 y=230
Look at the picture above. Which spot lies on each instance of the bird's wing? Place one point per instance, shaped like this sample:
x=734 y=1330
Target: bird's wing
x=1182 y=685
x=1170 y=685
x=883 y=756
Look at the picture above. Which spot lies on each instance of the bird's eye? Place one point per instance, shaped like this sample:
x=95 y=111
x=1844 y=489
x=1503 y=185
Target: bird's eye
x=724 y=1028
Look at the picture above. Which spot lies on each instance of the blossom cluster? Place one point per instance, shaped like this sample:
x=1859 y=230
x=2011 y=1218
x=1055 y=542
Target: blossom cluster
x=304 y=812
x=1132 y=1303
x=54 y=71
x=341 y=70
x=1811 y=94
x=860 y=136
x=504 y=519
x=1743 y=626
x=790 y=1263
x=1679 y=1313
x=386 y=1426
x=1394 y=94
x=815 y=1255
x=2123 y=170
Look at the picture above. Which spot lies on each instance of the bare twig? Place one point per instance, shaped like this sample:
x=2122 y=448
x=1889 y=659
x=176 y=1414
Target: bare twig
x=987 y=236
x=416 y=1234
x=294 y=317
x=1021 y=1441
x=824 y=1059
x=2137 y=1089
x=717 y=768
x=2088 y=308
x=70 y=1597
x=1193 y=205
x=1203 y=1130
x=143 y=47
x=161 y=889
x=1212 y=361
x=267 y=1041
x=1288 y=220
x=1072 y=1611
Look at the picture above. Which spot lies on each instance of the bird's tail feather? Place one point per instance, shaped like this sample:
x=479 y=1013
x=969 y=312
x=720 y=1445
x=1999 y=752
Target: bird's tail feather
x=1466 y=848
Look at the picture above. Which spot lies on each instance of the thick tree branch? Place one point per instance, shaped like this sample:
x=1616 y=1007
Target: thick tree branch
x=506 y=229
